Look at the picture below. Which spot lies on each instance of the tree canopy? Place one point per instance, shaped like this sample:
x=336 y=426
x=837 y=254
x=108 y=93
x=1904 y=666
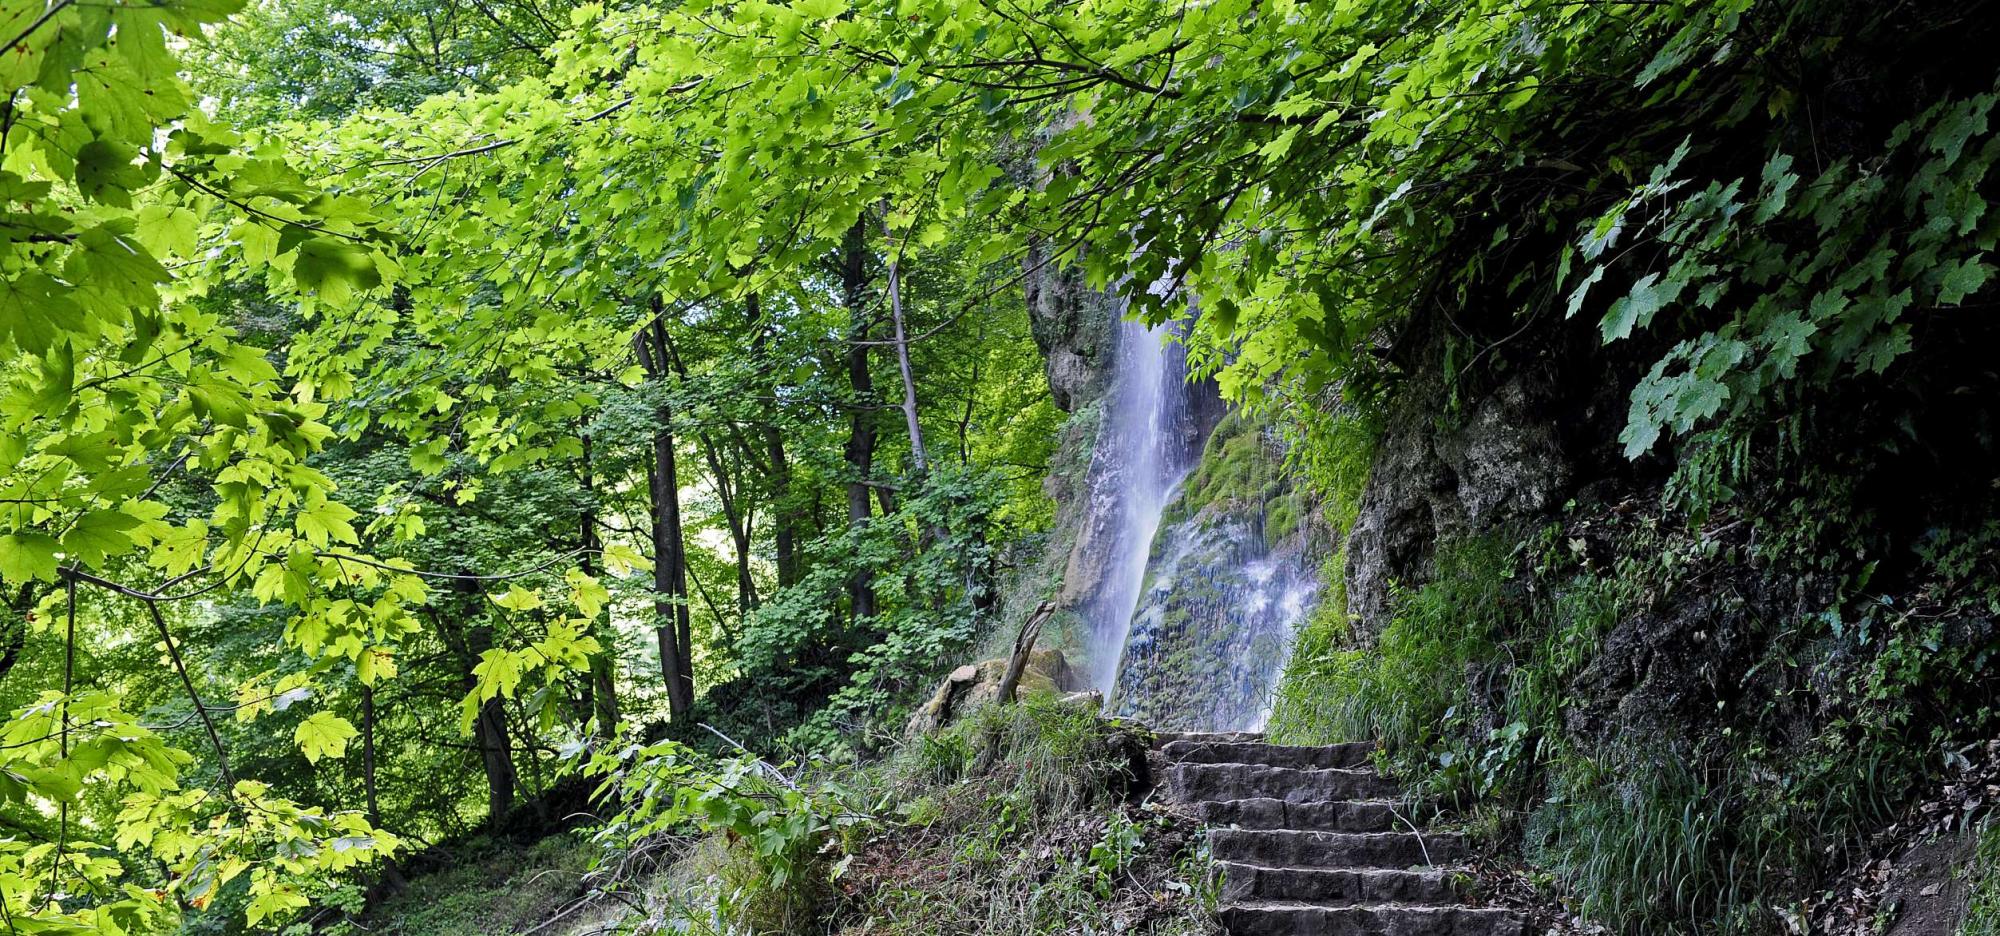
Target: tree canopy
x=367 y=369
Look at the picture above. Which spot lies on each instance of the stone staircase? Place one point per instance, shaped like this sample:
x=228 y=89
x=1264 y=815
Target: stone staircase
x=1310 y=843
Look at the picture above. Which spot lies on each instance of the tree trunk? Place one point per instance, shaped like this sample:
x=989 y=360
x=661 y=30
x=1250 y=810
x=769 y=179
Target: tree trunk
x=496 y=753
x=1024 y=645
x=368 y=756
x=669 y=556
x=14 y=628
x=392 y=880
x=603 y=689
x=734 y=512
x=778 y=468
x=919 y=458
x=860 y=448
x=738 y=520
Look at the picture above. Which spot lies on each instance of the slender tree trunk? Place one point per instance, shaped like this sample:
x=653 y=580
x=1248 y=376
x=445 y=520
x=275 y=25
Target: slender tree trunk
x=496 y=753
x=603 y=689
x=368 y=756
x=734 y=512
x=971 y=402
x=14 y=627
x=738 y=520
x=669 y=556
x=777 y=467
x=860 y=448
x=920 y=459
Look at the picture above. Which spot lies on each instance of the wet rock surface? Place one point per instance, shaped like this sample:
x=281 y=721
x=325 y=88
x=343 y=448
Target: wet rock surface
x=1233 y=572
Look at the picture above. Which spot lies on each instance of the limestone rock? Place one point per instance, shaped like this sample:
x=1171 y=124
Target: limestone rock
x=976 y=684
x=1071 y=324
x=1498 y=460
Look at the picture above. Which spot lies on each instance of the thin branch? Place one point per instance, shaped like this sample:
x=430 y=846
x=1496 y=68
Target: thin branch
x=180 y=666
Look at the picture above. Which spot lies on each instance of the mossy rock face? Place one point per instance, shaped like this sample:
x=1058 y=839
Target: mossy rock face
x=1232 y=575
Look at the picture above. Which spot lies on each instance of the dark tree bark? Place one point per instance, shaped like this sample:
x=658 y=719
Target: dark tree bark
x=368 y=756
x=1024 y=644
x=496 y=754
x=859 y=451
x=603 y=688
x=735 y=512
x=496 y=750
x=392 y=880
x=777 y=467
x=14 y=628
x=670 y=584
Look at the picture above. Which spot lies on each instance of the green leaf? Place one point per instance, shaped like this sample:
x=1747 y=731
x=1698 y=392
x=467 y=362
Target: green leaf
x=258 y=239
x=1778 y=182
x=275 y=904
x=113 y=272
x=100 y=534
x=518 y=599
x=1788 y=338
x=324 y=735
x=499 y=673
x=1962 y=278
x=1634 y=310
x=1961 y=122
x=36 y=312
x=820 y=9
x=28 y=556
x=1279 y=145
x=1577 y=295
x=333 y=269
x=169 y=230
x=105 y=172
x=324 y=521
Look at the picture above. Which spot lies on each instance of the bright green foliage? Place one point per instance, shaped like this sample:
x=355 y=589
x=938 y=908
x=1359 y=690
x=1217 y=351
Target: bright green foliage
x=1393 y=690
x=124 y=207
x=783 y=830
x=395 y=313
x=970 y=830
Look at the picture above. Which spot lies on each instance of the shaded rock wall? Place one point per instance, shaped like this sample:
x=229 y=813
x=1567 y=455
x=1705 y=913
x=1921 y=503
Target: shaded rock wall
x=1445 y=472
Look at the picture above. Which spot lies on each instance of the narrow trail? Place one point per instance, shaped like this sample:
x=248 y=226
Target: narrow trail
x=1310 y=843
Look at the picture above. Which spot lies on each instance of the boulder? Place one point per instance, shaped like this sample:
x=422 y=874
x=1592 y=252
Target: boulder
x=976 y=684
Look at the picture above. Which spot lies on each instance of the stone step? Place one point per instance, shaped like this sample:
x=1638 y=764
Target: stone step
x=1273 y=848
x=1335 y=816
x=1194 y=783
x=1243 y=883
x=1294 y=919
x=1269 y=755
x=1163 y=738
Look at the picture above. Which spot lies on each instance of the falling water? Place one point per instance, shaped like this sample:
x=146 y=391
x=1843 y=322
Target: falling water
x=1152 y=439
x=1197 y=603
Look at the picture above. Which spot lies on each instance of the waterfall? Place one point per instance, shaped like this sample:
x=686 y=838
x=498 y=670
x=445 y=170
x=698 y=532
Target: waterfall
x=1203 y=573
x=1151 y=440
